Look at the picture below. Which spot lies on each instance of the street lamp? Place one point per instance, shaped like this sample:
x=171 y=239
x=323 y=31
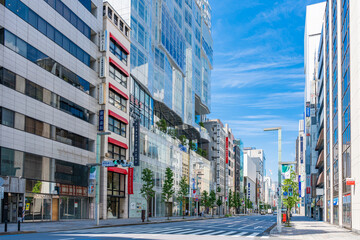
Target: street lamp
x=97 y=165
x=278 y=129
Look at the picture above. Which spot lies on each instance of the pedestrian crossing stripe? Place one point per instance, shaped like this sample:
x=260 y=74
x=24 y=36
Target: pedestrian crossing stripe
x=239 y=234
x=252 y=235
x=203 y=232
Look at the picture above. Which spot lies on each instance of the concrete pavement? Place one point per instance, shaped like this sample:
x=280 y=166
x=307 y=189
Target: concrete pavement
x=307 y=228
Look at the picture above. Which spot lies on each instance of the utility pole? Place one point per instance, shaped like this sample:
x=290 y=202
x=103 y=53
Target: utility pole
x=278 y=129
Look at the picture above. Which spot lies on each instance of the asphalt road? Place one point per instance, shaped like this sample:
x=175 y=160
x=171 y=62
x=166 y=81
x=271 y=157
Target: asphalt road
x=242 y=227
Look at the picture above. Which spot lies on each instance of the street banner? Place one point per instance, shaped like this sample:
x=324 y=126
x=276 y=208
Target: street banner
x=130 y=181
x=92 y=175
x=286 y=171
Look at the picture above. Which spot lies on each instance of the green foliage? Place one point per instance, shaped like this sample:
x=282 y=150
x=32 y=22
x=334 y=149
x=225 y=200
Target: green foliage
x=183 y=191
x=212 y=200
x=219 y=202
x=205 y=199
x=201 y=152
x=168 y=186
x=248 y=203
x=37 y=187
x=230 y=199
x=162 y=125
x=218 y=189
x=183 y=139
x=201 y=124
x=228 y=215
x=237 y=200
x=147 y=189
x=192 y=145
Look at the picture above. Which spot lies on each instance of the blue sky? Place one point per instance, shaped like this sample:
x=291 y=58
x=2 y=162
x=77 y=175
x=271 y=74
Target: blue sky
x=258 y=76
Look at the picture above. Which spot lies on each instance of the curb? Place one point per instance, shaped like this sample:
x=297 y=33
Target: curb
x=267 y=231
x=16 y=233
x=109 y=226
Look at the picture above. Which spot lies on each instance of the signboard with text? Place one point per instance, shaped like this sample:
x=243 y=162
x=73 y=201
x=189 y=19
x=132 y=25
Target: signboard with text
x=131 y=181
x=227 y=150
x=136 y=152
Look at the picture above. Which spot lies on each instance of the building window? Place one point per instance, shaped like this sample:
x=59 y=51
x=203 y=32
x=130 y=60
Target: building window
x=121 y=25
x=117 y=101
x=116 y=152
x=43 y=61
x=23 y=11
x=7 y=117
x=117 y=127
x=116 y=186
x=118 y=51
x=118 y=76
x=116 y=19
x=109 y=13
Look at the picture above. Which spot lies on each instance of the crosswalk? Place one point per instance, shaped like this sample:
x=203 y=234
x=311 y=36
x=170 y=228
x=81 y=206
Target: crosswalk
x=168 y=231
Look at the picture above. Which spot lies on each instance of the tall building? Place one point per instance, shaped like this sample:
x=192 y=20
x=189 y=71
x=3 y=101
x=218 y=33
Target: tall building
x=114 y=100
x=250 y=180
x=312 y=36
x=301 y=167
x=239 y=167
x=260 y=160
x=48 y=107
x=170 y=81
x=338 y=67
x=217 y=156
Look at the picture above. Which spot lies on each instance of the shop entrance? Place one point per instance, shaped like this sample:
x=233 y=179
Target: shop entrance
x=38 y=207
x=116 y=201
x=10 y=206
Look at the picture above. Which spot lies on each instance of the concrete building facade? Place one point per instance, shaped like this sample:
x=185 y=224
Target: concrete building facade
x=48 y=100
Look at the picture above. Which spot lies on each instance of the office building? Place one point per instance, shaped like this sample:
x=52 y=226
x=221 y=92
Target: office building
x=48 y=107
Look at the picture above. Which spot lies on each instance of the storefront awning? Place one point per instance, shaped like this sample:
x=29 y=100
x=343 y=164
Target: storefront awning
x=117 y=170
x=320 y=160
x=320 y=142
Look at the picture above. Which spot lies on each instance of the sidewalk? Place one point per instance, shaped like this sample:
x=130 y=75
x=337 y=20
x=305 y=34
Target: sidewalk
x=307 y=228
x=84 y=224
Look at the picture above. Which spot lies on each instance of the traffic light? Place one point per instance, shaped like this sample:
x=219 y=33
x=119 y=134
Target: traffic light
x=119 y=162
x=290 y=190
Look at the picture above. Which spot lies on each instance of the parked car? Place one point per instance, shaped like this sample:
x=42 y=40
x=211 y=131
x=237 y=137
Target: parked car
x=262 y=212
x=275 y=212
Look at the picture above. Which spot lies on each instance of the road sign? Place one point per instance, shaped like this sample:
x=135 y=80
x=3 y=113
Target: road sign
x=2 y=181
x=108 y=164
x=285 y=194
x=350 y=181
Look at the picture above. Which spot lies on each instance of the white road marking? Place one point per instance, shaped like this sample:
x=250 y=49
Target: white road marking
x=203 y=232
x=264 y=237
x=239 y=234
x=252 y=235
x=227 y=233
x=217 y=232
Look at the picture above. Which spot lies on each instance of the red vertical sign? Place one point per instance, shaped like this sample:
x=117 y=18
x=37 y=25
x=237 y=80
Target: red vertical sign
x=227 y=149
x=130 y=181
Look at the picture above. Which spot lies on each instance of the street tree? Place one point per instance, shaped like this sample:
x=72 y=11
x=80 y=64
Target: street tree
x=205 y=199
x=230 y=201
x=237 y=201
x=219 y=203
x=183 y=193
x=290 y=201
x=168 y=189
x=147 y=189
x=212 y=200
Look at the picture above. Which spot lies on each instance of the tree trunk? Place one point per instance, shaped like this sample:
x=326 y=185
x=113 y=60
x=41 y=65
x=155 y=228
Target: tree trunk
x=147 y=210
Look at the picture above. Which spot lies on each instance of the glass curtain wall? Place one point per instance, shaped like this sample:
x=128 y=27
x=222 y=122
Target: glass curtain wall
x=335 y=113
x=346 y=140
x=327 y=62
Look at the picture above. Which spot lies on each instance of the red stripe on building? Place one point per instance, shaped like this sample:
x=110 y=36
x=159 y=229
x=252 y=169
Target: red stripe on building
x=118 y=91
x=117 y=170
x=117 y=116
x=118 y=66
x=117 y=143
x=120 y=44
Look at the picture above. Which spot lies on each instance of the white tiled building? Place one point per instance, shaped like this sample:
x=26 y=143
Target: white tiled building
x=48 y=102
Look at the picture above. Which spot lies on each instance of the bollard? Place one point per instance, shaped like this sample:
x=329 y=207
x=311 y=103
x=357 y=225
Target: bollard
x=18 y=225
x=5 y=225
